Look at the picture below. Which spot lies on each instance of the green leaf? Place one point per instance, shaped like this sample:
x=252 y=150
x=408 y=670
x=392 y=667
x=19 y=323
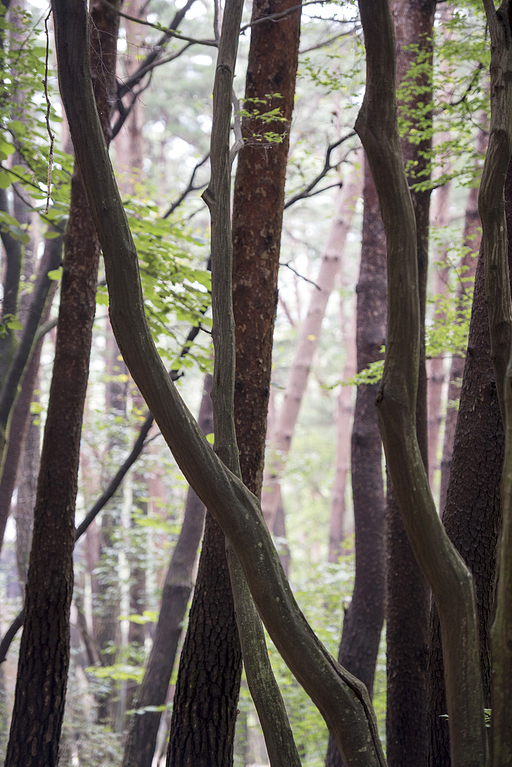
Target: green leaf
x=51 y=234
x=55 y=274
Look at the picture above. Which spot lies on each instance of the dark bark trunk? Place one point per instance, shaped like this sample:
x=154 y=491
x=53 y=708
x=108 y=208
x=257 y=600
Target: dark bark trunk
x=363 y=620
x=153 y=691
x=472 y=237
x=408 y=595
x=44 y=652
x=472 y=512
x=42 y=673
x=14 y=413
x=205 y=701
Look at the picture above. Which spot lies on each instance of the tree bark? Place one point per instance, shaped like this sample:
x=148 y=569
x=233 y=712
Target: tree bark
x=338 y=526
x=408 y=594
x=363 y=620
x=495 y=213
x=472 y=512
x=257 y=223
x=205 y=701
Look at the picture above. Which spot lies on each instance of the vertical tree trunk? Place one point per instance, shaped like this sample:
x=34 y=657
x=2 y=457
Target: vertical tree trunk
x=44 y=651
x=257 y=223
x=471 y=515
x=472 y=237
x=364 y=618
x=435 y=366
x=408 y=594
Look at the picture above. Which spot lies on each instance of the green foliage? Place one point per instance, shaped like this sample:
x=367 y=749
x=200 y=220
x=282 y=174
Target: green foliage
x=176 y=288
x=84 y=741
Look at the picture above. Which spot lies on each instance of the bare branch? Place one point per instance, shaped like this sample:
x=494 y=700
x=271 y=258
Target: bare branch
x=169 y=32
x=190 y=187
x=288 y=266
x=324 y=43
x=328 y=166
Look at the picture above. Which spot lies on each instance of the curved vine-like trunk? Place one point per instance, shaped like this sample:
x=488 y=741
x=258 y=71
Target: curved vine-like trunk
x=449 y=578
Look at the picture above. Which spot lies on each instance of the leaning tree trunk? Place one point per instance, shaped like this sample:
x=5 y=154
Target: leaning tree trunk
x=363 y=620
x=44 y=652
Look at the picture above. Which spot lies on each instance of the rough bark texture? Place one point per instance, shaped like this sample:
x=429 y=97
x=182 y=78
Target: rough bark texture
x=257 y=222
x=26 y=347
x=408 y=595
x=143 y=729
x=20 y=412
x=472 y=511
x=471 y=515
x=205 y=701
x=472 y=237
x=44 y=652
x=364 y=618
x=42 y=673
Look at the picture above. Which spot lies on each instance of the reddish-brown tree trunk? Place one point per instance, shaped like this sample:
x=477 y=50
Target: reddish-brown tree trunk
x=338 y=529
x=257 y=221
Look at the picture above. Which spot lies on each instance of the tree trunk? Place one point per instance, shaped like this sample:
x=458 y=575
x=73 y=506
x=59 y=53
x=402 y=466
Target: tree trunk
x=408 y=595
x=363 y=620
x=257 y=223
x=205 y=701
x=449 y=578
x=44 y=652
x=472 y=237
x=143 y=728
x=342 y=700
x=435 y=366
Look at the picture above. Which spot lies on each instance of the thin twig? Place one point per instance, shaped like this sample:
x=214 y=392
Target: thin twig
x=307 y=191
x=190 y=187
x=301 y=276
x=167 y=31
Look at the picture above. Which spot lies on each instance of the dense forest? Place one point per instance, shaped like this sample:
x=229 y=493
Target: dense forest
x=255 y=383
